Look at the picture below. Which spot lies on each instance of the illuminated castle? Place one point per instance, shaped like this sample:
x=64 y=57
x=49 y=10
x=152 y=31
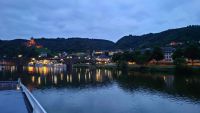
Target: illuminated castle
x=32 y=43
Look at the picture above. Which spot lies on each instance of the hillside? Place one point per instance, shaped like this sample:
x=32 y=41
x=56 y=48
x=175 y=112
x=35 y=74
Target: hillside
x=11 y=47
x=182 y=35
x=75 y=44
x=18 y=46
x=190 y=33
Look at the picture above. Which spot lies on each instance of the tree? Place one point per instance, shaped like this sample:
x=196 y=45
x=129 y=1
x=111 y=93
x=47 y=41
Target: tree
x=180 y=62
x=157 y=54
x=148 y=55
x=116 y=57
x=121 y=59
x=127 y=56
x=192 y=52
x=31 y=52
x=179 y=53
x=142 y=59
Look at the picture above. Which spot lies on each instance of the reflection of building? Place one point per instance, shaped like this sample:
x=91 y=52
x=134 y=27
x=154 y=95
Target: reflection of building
x=169 y=80
x=57 y=76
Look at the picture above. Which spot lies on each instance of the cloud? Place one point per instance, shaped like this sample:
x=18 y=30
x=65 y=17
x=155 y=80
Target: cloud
x=107 y=19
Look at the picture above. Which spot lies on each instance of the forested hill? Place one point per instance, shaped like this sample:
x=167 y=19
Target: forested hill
x=185 y=34
x=10 y=47
x=75 y=44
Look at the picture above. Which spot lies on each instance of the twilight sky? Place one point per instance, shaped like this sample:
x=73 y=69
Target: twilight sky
x=104 y=19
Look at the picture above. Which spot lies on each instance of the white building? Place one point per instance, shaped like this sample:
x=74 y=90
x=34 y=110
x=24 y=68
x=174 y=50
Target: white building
x=168 y=52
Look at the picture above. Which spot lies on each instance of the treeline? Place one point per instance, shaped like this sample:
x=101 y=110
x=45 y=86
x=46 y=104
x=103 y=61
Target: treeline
x=180 y=57
x=190 y=53
x=141 y=58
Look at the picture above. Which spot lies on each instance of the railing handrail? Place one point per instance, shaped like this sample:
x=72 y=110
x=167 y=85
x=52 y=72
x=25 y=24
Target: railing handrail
x=8 y=82
x=37 y=108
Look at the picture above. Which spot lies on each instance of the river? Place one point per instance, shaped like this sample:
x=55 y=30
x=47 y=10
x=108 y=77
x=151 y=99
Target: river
x=82 y=90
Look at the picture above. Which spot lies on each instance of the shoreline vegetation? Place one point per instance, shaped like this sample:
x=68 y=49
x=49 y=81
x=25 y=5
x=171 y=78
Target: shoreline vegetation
x=184 y=70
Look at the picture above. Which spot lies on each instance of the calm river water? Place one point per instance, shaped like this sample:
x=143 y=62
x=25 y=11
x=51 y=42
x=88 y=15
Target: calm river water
x=108 y=91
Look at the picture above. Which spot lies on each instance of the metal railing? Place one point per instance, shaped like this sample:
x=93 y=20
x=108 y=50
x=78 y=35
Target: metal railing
x=8 y=84
x=37 y=108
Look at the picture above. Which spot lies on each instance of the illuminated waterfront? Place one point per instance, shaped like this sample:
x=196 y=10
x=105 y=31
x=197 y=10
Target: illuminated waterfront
x=83 y=90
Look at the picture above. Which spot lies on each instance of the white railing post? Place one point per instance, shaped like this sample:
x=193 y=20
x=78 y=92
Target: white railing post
x=37 y=108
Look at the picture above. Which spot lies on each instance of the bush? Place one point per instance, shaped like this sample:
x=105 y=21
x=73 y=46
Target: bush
x=180 y=62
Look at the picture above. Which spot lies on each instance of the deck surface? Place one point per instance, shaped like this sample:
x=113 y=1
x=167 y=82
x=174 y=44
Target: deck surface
x=12 y=101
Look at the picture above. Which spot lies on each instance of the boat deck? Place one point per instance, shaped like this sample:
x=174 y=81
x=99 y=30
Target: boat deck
x=12 y=101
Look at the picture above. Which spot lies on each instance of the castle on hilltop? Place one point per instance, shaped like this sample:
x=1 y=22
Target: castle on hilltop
x=32 y=43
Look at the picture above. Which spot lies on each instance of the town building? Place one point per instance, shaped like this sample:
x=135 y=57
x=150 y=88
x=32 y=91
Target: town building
x=168 y=52
x=43 y=55
x=103 y=59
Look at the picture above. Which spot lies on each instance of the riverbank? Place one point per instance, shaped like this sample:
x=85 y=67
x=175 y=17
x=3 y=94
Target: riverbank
x=104 y=66
x=130 y=66
x=146 y=68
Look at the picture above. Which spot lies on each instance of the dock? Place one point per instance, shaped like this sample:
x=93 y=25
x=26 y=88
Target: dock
x=16 y=98
x=12 y=101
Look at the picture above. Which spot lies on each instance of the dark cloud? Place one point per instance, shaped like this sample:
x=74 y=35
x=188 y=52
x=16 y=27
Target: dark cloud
x=108 y=19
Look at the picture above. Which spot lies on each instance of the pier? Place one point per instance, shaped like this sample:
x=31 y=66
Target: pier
x=16 y=98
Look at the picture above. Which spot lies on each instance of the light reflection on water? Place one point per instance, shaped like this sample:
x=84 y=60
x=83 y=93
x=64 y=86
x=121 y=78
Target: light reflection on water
x=83 y=90
x=60 y=76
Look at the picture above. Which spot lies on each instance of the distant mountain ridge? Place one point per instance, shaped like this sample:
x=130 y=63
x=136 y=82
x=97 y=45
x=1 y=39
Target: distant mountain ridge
x=62 y=44
x=190 y=33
